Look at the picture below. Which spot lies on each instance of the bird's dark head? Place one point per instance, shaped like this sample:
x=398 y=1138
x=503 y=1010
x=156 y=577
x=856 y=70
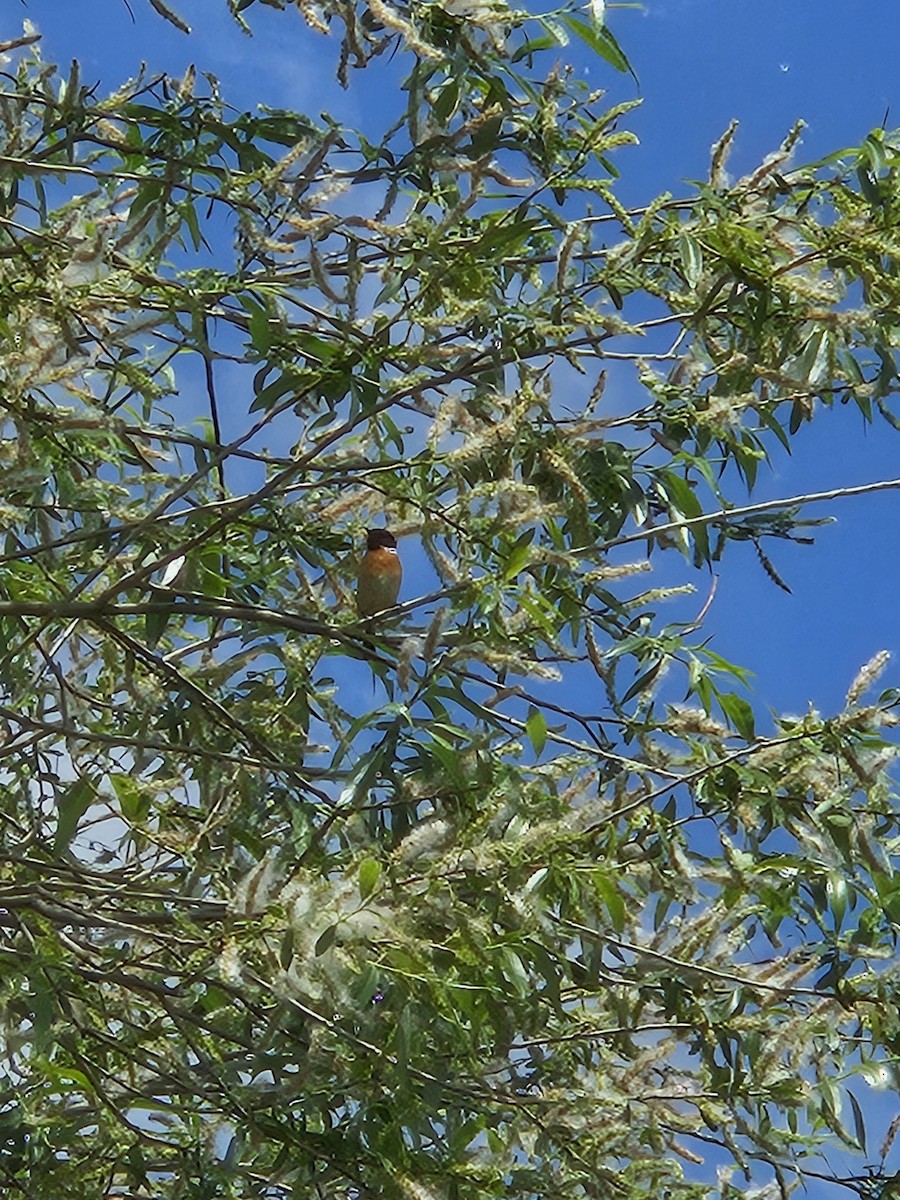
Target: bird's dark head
x=380 y=539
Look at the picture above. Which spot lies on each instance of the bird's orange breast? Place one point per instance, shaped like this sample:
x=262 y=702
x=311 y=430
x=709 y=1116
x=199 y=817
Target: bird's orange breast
x=378 y=587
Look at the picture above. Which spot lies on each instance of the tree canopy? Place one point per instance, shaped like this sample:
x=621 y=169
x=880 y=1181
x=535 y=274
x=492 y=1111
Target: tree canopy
x=552 y=911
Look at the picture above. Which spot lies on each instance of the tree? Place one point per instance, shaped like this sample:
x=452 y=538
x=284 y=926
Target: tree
x=268 y=933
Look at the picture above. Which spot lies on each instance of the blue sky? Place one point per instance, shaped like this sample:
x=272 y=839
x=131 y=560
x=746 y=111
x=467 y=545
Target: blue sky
x=700 y=63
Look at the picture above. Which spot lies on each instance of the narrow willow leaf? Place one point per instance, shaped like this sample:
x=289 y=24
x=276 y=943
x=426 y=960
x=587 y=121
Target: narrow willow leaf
x=71 y=807
x=602 y=42
x=536 y=728
x=369 y=874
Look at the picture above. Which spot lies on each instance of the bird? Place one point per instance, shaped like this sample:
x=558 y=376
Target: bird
x=380 y=573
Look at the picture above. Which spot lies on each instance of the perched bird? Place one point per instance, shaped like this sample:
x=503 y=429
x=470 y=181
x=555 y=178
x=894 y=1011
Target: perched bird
x=380 y=573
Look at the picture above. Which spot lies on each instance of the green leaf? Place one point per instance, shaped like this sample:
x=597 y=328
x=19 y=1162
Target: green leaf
x=691 y=255
x=71 y=807
x=534 y=46
x=536 y=728
x=446 y=102
x=467 y=1132
x=134 y=802
x=642 y=682
x=738 y=713
x=261 y=325
x=680 y=493
x=189 y=214
x=836 y=892
x=612 y=899
x=518 y=557
x=369 y=874
x=513 y=971
x=325 y=940
x=155 y=626
x=602 y=42
x=267 y=397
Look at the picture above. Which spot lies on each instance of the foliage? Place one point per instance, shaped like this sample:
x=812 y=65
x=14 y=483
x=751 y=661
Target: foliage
x=480 y=934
